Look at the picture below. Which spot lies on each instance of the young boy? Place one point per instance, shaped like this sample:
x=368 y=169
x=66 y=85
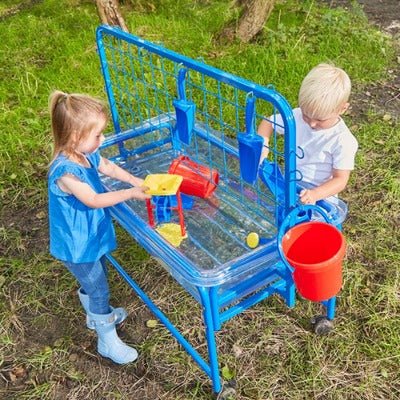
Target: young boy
x=328 y=145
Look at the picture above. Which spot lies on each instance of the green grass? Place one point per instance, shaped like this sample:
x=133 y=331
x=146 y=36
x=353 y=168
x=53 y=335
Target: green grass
x=45 y=350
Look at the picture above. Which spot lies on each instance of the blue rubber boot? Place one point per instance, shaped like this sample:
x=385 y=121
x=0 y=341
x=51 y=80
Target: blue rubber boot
x=108 y=343
x=120 y=313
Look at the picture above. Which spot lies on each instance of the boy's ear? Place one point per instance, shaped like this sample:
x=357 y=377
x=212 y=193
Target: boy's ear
x=345 y=108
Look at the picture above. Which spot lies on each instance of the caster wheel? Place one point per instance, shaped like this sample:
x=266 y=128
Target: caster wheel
x=228 y=391
x=321 y=325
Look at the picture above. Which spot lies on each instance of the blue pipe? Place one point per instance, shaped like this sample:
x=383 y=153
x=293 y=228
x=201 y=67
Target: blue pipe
x=250 y=301
x=162 y=317
x=210 y=336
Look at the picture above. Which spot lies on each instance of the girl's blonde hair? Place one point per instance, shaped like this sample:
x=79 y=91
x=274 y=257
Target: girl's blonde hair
x=324 y=91
x=73 y=117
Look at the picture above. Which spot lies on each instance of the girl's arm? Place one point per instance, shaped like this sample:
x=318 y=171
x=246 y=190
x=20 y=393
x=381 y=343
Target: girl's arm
x=112 y=170
x=82 y=191
x=335 y=185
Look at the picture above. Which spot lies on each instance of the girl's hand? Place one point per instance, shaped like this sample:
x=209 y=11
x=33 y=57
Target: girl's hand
x=135 y=181
x=308 y=196
x=139 y=193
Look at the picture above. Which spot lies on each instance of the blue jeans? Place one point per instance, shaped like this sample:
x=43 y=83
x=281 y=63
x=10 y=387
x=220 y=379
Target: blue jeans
x=93 y=280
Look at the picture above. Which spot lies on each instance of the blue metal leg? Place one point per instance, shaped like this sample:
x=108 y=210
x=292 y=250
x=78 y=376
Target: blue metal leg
x=215 y=307
x=330 y=307
x=174 y=331
x=210 y=336
x=290 y=296
x=289 y=293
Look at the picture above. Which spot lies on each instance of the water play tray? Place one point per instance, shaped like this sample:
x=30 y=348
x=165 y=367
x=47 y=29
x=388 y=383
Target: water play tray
x=215 y=250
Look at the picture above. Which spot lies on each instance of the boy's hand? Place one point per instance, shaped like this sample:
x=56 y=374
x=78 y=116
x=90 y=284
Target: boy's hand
x=308 y=196
x=264 y=153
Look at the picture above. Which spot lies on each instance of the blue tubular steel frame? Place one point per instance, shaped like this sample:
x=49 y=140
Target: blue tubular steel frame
x=271 y=274
x=269 y=95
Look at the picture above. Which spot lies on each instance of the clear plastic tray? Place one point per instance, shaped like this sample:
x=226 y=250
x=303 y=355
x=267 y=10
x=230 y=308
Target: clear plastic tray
x=215 y=251
x=217 y=227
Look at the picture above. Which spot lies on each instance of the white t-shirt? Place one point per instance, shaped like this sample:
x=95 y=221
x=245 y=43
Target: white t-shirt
x=324 y=150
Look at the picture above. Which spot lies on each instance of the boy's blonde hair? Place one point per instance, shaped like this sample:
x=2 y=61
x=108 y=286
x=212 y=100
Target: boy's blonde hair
x=324 y=91
x=73 y=117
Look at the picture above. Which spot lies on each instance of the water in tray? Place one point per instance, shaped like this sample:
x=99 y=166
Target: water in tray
x=217 y=227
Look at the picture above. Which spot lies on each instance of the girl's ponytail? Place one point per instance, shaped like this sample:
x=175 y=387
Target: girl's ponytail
x=57 y=109
x=55 y=99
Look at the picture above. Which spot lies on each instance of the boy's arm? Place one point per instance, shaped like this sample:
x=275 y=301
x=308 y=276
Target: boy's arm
x=265 y=130
x=82 y=191
x=112 y=170
x=335 y=185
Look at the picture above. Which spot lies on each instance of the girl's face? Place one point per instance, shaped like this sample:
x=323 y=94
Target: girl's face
x=94 y=139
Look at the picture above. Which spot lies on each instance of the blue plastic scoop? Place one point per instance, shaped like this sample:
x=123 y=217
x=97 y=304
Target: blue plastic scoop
x=271 y=175
x=185 y=111
x=250 y=146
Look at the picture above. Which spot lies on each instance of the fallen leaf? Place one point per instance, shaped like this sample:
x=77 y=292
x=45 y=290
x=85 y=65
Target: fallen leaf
x=40 y=215
x=387 y=117
x=151 y=323
x=58 y=342
x=18 y=371
x=227 y=374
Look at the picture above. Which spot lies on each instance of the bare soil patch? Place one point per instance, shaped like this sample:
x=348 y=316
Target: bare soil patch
x=381 y=97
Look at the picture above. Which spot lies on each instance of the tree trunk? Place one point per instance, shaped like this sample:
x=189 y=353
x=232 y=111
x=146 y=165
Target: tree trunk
x=253 y=19
x=255 y=14
x=109 y=13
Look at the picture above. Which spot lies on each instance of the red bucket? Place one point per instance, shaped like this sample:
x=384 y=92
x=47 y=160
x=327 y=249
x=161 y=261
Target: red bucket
x=315 y=250
x=198 y=180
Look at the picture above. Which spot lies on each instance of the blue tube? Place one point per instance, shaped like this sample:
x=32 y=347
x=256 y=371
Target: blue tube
x=162 y=317
x=210 y=336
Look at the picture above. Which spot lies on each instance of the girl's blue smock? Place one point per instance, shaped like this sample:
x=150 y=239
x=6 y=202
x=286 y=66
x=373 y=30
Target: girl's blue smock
x=78 y=233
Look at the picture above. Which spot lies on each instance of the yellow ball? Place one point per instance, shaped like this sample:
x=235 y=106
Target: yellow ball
x=252 y=240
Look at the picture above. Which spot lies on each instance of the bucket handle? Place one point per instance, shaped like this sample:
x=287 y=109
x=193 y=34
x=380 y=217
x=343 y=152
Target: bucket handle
x=300 y=214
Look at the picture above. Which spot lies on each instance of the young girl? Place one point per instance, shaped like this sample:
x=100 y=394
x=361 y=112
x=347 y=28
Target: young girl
x=81 y=230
